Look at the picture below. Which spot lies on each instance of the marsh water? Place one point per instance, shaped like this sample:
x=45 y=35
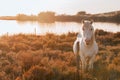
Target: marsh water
x=11 y=27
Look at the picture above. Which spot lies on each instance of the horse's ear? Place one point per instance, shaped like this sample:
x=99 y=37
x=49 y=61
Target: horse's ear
x=91 y=21
x=83 y=21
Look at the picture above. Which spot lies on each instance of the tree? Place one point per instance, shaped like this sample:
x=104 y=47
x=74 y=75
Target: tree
x=81 y=13
x=46 y=16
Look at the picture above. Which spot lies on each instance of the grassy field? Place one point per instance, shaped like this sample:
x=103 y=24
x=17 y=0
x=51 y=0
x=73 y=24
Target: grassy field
x=50 y=57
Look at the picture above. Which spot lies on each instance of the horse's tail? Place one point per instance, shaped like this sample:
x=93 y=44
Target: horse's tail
x=76 y=50
x=76 y=47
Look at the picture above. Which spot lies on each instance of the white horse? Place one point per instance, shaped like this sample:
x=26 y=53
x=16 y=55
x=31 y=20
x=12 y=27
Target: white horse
x=86 y=46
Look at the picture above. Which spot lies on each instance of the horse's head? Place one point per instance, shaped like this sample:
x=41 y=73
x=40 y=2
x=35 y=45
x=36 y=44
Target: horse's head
x=87 y=32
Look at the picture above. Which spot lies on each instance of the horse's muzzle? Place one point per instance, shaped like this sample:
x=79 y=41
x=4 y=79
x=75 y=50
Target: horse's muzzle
x=87 y=41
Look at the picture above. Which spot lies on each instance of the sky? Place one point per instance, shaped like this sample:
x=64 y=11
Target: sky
x=71 y=7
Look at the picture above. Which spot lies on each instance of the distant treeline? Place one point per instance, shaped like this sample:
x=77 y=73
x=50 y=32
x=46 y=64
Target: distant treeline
x=51 y=17
x=42 y=17
x=115 y=18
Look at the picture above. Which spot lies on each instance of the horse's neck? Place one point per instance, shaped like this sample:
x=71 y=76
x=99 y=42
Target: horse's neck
x=92 y=40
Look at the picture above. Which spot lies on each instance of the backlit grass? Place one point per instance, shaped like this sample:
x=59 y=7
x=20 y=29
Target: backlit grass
x=50 y=57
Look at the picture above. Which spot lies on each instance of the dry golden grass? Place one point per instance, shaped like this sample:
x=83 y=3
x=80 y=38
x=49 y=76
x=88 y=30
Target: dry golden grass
x=50 y=57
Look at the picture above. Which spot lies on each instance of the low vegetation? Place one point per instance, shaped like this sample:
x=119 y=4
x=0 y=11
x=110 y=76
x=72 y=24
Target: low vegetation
x=50 y=57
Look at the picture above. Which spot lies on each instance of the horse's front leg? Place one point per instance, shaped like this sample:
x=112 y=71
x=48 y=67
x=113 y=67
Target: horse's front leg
x=91 y=61
x=83 y=63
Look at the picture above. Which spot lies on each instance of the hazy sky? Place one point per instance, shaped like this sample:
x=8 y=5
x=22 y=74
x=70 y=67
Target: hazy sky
x=13 y=7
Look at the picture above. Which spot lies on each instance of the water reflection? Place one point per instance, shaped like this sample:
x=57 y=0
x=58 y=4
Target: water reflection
x=65 y=27
x=15 y=27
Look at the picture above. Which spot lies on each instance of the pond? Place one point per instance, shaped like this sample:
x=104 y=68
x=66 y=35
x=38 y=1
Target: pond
x=14 y=27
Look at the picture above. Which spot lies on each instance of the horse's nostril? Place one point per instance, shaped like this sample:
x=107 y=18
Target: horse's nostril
x=87 y=40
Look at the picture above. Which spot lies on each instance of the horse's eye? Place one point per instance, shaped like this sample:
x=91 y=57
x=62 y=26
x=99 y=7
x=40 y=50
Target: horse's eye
x=83 y=29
